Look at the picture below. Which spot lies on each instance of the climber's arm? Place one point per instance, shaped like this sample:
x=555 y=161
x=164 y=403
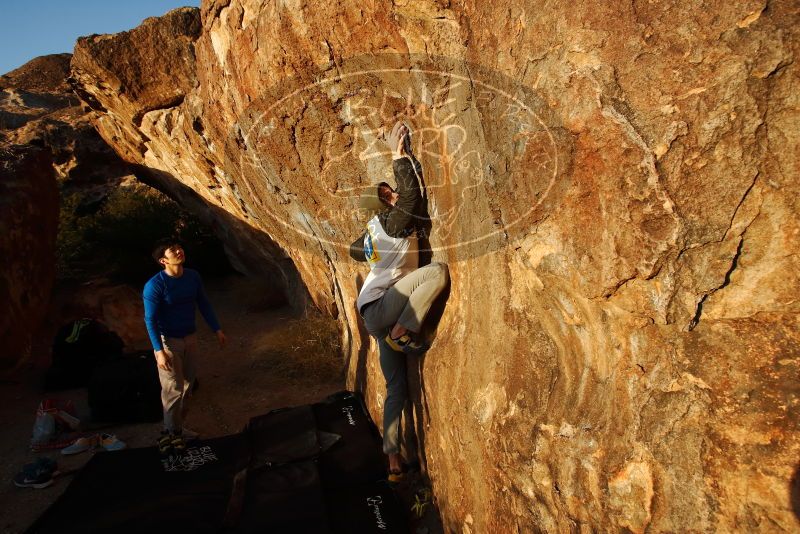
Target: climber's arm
x=408 y=174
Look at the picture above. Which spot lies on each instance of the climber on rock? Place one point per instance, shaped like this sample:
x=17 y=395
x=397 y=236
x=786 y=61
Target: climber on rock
x=397 y=293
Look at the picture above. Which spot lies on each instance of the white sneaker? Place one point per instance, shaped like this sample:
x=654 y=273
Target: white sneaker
x=80 y=445
x=110 y=442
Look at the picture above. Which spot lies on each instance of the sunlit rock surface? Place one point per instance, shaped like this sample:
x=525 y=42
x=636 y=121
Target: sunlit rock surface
x=613 y=184
x=37 y=104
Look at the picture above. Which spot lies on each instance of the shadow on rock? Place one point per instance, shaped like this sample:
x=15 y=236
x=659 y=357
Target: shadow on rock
x=249 y=250
x=794 y=492
x=416 y=379
x=363 y=347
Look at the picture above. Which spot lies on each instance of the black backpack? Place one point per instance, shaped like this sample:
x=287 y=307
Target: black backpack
x=79 y=346
x=126 y=389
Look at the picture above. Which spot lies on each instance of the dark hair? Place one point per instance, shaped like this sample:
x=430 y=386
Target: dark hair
x=162 y=246
x=381 y=191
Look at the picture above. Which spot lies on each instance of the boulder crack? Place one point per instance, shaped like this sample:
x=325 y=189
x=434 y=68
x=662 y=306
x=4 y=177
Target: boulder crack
x=734 y=264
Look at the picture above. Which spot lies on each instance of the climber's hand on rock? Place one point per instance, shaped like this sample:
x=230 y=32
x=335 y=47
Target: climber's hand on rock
x=398 y=140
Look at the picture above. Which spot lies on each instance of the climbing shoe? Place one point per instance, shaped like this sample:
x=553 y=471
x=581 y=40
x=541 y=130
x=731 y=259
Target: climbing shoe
x=406 y=344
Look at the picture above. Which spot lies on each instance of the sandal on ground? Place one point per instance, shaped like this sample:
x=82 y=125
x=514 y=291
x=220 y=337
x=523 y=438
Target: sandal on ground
x=406 y=344
x=396 y=475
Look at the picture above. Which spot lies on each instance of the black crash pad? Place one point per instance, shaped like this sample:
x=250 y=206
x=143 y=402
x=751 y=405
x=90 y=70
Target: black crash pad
x=315 y=468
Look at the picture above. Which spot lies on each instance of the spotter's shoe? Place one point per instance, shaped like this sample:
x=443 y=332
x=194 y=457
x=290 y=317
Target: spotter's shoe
x=164 y=443
x=178 y=444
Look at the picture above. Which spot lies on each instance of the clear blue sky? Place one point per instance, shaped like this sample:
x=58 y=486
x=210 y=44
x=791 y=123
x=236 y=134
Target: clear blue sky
x=30 y=28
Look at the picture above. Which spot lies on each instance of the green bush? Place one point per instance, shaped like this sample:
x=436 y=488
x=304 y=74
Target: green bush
x=114 y=237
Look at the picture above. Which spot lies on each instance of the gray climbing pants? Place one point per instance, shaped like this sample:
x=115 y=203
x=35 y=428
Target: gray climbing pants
x=407 y=303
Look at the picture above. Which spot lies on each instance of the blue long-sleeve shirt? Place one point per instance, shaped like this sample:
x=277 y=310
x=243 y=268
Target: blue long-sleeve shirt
x=169 y=305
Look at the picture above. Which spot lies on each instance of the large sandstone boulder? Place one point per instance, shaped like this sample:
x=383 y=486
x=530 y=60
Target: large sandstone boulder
x=28 y=222
x=37 y=104
x=613 y=185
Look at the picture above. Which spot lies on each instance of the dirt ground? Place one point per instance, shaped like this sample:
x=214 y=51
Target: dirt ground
x=273 y=358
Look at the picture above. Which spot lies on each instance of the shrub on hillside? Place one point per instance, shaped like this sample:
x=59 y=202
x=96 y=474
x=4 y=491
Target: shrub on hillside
x=114 y=237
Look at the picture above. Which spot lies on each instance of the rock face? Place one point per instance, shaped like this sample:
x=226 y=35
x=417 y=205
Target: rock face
x=37 y=104
x=612 y=184
x=28 y=222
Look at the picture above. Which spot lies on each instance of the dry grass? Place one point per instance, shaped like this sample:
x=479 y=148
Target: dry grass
x=304 y=350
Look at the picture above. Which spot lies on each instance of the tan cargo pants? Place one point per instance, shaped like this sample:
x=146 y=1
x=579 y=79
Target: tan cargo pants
x=176 y=385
